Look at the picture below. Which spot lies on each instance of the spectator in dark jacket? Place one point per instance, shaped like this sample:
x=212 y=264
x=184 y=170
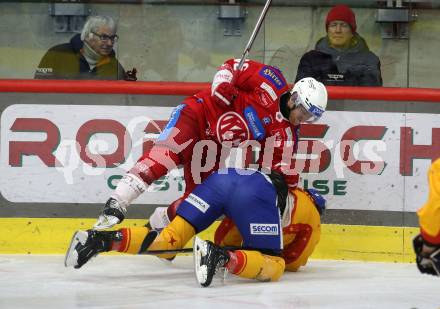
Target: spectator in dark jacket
x=342 y=58
x=87 y=56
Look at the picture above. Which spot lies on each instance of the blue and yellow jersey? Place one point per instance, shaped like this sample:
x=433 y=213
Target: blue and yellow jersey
x=301 y=230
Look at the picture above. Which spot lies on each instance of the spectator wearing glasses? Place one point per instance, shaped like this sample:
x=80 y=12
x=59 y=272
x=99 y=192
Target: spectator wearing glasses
x=342 y=57
x=88 y=55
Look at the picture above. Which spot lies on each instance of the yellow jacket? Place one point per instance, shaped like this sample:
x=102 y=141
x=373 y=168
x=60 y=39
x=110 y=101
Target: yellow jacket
x=429 y=214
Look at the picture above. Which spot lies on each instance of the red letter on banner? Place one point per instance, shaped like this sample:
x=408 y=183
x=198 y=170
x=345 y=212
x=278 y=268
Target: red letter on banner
x=409 y=151
x=350 y=138
x=92 y=127
x=313 y=147
x=44 y=149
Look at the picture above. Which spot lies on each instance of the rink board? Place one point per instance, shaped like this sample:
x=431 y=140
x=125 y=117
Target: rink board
x=338 y=242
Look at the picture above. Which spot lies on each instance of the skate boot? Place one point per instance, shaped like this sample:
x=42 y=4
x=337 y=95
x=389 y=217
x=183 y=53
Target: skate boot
x=209 y=259
x=87 y=244
x=427 y=256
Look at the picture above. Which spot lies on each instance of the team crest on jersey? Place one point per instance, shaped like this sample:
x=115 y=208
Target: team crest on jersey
x=273 y=76
x=232 y=128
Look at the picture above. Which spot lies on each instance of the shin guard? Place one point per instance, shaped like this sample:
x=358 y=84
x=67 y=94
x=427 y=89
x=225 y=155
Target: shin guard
x=255 y=265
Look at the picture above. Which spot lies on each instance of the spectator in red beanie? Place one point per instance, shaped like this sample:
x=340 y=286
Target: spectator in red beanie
x=342 y=57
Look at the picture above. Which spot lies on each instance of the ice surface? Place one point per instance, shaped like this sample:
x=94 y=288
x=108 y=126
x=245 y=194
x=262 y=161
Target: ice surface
x=35 y=281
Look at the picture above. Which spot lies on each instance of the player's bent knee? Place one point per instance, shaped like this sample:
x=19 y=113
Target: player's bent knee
x=172 y=237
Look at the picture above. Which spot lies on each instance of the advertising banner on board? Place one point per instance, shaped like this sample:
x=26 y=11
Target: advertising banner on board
x=78 y=153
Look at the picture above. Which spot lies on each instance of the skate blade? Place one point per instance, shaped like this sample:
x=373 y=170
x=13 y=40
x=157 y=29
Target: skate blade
x=71 y=258
x=199 y=250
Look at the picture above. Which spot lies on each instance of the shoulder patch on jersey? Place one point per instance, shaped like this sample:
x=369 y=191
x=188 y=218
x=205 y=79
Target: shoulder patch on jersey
x=273 y=76
x=171 y=123
x=197 y=202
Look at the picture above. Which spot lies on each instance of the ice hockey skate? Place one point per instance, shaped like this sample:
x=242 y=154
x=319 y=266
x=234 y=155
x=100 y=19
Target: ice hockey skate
x=209 y=259
x=85 y=245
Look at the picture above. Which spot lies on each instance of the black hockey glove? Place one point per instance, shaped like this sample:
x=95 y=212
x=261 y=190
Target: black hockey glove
x=112 y=214
x=427 y=256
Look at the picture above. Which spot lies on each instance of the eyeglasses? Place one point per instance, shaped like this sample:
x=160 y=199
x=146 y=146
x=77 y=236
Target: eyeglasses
x=105 y=37
x=342 y=24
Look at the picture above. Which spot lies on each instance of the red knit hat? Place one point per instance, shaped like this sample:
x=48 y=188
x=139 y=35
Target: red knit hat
x=341 y=12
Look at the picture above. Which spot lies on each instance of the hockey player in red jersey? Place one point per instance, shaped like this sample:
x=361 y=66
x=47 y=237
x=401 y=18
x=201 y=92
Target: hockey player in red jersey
x=257 y=111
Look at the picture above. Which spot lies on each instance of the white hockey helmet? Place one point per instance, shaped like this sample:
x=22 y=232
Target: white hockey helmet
x=312 y=95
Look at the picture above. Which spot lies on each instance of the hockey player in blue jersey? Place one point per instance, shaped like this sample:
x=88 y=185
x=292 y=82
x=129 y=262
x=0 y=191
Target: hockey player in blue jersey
x=274 y=228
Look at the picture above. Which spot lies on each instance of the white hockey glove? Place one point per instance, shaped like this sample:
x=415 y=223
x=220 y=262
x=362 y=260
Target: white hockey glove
x=159 y=219
x=222 y=91
x=127 y=190
x=112 y=214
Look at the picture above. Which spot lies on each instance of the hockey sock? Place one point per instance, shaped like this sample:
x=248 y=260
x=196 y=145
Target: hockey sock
x=255 y=265
x=174 y=236
x=131 y=240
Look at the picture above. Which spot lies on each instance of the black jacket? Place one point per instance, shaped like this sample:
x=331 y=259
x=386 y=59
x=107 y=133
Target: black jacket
x=355 y=66
x=65 y=61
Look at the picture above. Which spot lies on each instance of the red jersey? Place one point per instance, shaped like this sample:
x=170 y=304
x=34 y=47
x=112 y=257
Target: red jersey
x=255 y=115
x=198 y=121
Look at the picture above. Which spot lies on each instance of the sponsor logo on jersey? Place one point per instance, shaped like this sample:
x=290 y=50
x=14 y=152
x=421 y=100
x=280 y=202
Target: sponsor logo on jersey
x=171 y=123
x=266 y=87
x=264 y=229
x=232 y=128
x=273 y=76
x=254 y=122
x=265 y=99
x=197 y=202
